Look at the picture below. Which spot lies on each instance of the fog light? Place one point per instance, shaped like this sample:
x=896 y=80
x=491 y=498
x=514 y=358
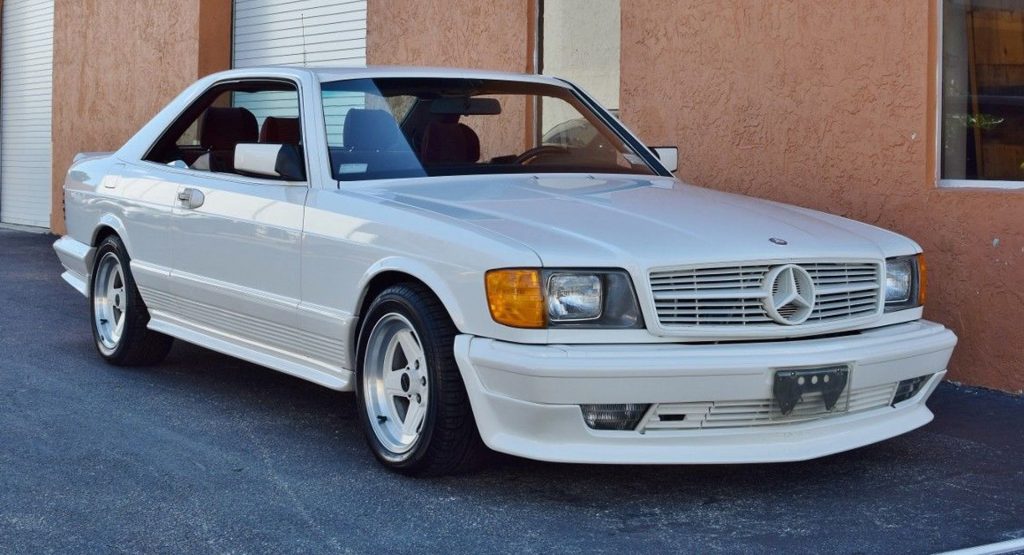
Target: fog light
x=613 y=417
x=908 y=388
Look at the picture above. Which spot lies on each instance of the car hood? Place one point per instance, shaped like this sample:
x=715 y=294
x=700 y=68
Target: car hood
x=644 y=222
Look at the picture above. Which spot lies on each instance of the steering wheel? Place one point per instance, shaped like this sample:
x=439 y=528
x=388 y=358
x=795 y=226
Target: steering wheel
x=538 y=151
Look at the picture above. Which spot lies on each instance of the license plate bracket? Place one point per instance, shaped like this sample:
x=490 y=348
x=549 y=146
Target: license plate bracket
x=790 y=384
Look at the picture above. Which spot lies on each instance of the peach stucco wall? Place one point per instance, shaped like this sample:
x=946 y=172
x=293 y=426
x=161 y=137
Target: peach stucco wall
x=456 y=33
x=826 y=106
x=459 y=33
x=117 y=62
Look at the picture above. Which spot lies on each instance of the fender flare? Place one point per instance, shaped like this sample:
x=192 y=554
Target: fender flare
x=115 y=223
x=420 y=271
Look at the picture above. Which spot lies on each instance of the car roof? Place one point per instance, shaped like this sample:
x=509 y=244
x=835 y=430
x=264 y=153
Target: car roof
x=323 y=74
x=136 y=147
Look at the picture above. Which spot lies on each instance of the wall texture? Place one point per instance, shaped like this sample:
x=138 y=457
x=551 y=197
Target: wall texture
x=820 y=105
x=117 y=62
x=459 y=33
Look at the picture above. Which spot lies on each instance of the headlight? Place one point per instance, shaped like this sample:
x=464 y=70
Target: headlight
x=899 y=280
x=574 y=297
x=538 y=298
x=904 y=282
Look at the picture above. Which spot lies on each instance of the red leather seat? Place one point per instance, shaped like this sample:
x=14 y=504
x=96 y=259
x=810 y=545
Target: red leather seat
x=281 y=131
x=449 y=142
x=221 y=129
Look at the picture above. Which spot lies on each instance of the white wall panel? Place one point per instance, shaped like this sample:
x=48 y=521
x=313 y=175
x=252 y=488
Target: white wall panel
x=26 y=81
x=299 y=32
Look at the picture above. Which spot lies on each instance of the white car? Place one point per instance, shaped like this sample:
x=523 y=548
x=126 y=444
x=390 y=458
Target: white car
x=405 y=234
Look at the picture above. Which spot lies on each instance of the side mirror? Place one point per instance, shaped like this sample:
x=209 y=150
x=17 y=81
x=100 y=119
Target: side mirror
x=270 y=160
x=669 y=156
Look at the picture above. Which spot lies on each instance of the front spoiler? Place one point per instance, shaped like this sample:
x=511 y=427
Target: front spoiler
x=526 y=397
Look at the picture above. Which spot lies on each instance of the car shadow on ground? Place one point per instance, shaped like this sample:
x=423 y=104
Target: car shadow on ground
x=907 y=485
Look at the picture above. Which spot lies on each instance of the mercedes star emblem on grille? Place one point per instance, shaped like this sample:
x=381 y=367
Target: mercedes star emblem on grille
x=790 y=295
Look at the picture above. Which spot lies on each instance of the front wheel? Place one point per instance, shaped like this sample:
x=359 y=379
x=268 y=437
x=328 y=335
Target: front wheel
x=412 y=401
x=119 y=316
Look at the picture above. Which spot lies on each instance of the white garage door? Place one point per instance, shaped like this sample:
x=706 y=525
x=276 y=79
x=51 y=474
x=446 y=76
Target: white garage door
x=299 y=32
x=26 y=78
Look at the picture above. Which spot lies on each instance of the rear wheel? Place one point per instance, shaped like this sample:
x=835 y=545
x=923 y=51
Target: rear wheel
x=412 y=401
x=119 y=316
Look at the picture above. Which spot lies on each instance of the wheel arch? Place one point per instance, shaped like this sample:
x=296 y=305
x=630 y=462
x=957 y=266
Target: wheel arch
x=386 y=273
x=108 y=225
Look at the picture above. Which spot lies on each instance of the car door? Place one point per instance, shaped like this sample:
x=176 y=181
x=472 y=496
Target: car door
x=237 y=257
x=236 y=239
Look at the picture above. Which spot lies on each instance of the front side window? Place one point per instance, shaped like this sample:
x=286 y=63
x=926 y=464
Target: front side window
x=206 y=134
x=982 y=135
x=416 y=127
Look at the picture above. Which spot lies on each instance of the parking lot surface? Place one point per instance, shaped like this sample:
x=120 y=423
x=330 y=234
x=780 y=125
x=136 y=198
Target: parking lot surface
x=205 y=453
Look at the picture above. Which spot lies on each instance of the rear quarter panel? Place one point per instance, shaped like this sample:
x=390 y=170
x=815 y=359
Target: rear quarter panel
x=86 y=182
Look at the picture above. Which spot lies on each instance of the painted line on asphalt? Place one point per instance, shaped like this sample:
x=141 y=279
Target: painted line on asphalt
x=1009 y=546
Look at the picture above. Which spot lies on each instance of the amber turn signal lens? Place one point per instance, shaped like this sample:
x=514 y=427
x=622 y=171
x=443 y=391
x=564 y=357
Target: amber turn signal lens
x=922 y=279
x=515 y=298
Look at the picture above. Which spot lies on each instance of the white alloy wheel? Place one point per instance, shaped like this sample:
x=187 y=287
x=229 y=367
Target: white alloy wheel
x=396 y=385
x=119 y=315
x=109 y=302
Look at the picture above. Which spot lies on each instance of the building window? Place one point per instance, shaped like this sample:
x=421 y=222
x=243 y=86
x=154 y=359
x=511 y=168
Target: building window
x=580 y=42
x=982 y=87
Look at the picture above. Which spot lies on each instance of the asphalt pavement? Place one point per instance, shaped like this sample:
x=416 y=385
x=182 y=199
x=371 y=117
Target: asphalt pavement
x=208 y=454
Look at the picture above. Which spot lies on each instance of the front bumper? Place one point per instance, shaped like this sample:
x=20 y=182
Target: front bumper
x=76 y=257
x=526 y=397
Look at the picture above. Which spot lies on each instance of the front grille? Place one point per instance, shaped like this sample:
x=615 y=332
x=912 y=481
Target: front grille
x=760 y=412
x=735 y=295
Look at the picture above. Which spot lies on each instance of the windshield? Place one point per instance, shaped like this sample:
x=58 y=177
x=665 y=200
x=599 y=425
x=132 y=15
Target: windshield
x=416 y=127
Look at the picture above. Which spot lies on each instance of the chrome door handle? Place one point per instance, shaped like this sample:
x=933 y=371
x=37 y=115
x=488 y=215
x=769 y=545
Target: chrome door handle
x=191 y=198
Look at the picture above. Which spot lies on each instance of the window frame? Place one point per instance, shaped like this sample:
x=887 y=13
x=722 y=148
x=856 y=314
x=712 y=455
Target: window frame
x=237 y=177
x=954 y=183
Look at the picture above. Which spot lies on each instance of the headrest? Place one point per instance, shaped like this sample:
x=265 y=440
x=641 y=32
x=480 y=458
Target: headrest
x=223 y=128
x=280 y=131
x=449 y=143
x=372 y=130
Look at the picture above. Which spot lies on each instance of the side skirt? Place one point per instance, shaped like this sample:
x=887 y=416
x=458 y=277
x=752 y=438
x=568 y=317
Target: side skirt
x=335 y=378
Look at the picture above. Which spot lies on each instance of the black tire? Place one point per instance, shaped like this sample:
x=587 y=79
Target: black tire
x=449 y=442
x=137 y=345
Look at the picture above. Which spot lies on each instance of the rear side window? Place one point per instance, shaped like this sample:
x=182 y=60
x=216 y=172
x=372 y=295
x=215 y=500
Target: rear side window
x=205 y=135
